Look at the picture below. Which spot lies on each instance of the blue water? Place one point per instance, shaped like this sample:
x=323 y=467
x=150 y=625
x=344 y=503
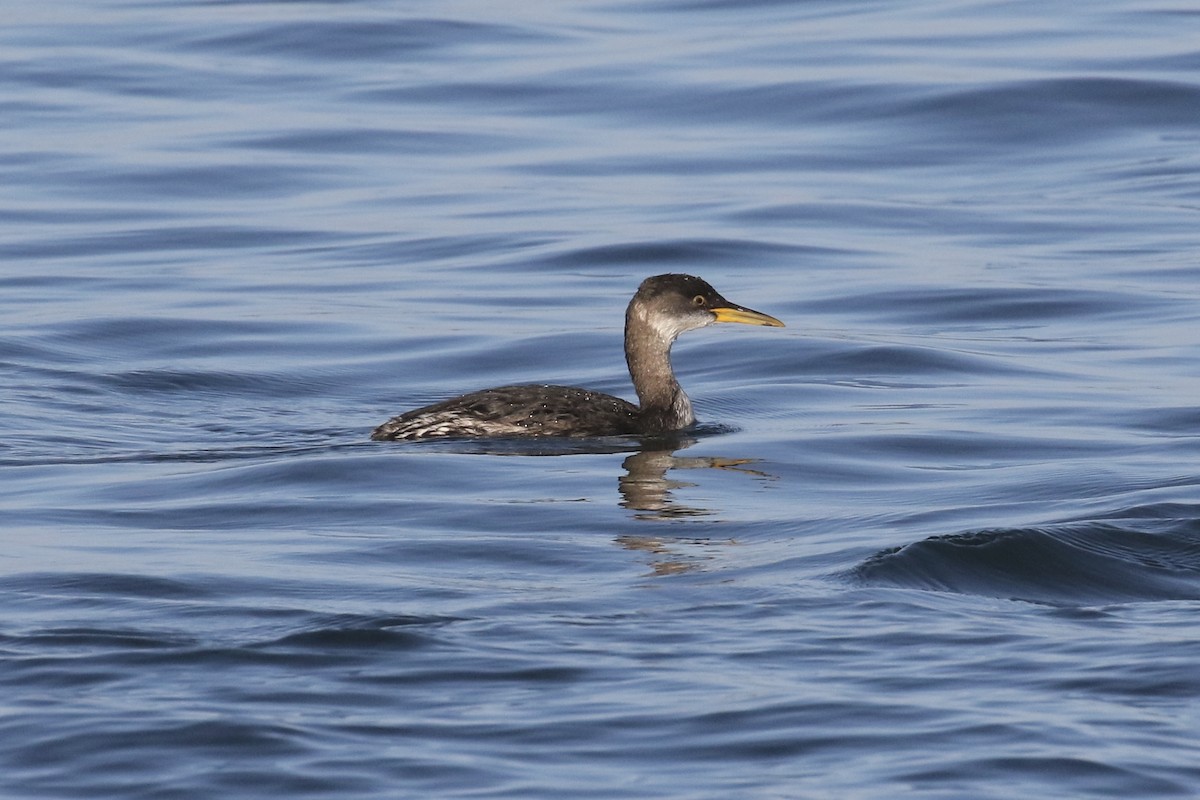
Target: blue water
x=938 y=538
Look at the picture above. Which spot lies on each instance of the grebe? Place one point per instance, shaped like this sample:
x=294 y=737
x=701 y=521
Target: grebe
x=663 y=307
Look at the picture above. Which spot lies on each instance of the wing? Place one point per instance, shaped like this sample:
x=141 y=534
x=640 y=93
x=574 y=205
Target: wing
x=533 y=410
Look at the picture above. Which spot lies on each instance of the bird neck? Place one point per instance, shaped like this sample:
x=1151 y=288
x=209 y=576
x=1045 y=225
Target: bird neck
x=663 y=404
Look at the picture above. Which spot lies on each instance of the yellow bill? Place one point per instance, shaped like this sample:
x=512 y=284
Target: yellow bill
x=745 y=316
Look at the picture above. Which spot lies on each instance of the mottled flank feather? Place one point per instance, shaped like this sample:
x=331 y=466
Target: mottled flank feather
x=528 y=410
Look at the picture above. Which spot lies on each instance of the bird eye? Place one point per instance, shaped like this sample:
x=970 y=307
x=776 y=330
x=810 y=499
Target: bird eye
x=698 y=300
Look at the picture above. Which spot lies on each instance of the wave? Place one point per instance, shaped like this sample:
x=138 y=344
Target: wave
x=1078 y=563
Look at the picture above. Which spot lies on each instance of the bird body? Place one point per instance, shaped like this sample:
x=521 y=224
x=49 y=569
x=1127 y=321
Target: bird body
x=520 y=410
x=663 y=307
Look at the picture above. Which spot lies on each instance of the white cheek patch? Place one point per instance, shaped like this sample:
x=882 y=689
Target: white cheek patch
x=669 y=328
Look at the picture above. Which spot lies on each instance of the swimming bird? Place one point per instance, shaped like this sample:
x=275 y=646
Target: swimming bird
x=663 y=307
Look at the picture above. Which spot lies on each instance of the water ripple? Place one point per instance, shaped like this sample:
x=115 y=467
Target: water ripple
x=1076 y=564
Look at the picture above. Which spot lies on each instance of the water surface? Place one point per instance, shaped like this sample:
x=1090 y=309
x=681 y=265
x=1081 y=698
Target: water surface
x=939 y=537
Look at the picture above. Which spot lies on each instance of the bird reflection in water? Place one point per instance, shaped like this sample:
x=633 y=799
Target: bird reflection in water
x=646 y=486
x=647 y=489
